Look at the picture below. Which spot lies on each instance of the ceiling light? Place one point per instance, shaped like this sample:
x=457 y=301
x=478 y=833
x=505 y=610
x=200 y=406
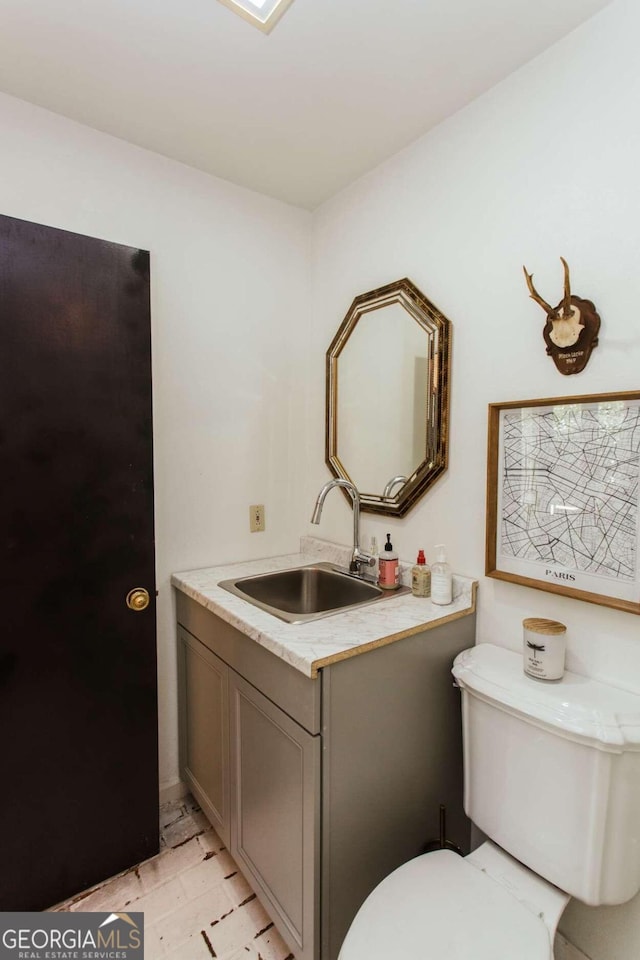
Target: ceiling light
x=263 y=14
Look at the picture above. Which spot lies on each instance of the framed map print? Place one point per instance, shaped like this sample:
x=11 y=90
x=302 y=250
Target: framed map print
x=563 y=511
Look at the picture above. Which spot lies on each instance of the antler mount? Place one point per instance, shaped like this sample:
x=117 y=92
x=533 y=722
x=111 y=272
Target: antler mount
x=571 y=330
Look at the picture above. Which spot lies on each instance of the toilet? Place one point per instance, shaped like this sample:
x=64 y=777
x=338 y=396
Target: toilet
x=552 y=778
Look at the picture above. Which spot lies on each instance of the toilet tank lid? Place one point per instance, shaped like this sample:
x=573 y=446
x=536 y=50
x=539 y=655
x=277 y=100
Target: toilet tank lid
x=575 y=707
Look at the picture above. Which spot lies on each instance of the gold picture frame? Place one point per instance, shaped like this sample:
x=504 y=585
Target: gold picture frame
x=563 y=496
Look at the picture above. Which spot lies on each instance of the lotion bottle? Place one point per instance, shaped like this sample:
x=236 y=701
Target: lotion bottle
x=388 y=571
x=441 y=578
x=421 y=577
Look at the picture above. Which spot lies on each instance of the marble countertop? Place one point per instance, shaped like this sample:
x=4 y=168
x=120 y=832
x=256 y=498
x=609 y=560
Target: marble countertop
x=318 y=643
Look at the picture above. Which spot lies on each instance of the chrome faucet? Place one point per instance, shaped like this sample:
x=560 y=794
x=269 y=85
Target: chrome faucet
x=358 y=557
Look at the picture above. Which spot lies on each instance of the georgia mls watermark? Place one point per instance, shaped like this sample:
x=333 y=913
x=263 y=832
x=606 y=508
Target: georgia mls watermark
x=71 y=936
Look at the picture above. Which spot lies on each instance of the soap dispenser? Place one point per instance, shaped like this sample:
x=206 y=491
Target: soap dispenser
x=388 y=570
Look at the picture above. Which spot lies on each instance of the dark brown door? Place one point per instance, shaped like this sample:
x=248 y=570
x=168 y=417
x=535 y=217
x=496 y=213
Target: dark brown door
x=78 y=715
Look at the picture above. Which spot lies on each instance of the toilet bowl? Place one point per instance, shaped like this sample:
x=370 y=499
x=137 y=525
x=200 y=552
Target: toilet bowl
x=529 y=750
x=486 y=906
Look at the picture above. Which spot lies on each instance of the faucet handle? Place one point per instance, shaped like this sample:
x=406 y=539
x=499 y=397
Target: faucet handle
x=360 y=559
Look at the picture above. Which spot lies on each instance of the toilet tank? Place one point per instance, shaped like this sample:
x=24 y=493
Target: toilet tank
x=552 y=772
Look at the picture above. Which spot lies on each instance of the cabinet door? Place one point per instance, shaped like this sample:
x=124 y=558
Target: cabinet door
x=205 y=730
x=276 y=816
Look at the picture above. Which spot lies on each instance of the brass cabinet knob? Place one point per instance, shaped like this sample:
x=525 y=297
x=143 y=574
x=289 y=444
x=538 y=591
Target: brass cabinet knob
x=138 y=599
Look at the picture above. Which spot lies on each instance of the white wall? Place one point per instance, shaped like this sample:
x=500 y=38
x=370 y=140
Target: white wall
x=545 y=164
x=230 y=285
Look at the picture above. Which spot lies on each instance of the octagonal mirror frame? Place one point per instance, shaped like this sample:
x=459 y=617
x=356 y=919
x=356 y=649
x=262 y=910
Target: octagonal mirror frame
x=438 y=335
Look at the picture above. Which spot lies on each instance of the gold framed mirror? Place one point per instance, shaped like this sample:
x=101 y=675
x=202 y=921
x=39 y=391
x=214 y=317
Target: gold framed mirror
x=387 y=409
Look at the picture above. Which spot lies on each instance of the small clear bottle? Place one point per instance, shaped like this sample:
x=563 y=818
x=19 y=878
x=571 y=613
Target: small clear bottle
x=421 y=577
x=373 y=552
x=441 y=578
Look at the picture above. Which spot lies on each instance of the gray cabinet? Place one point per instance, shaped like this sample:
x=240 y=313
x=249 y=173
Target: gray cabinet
x=324 y=786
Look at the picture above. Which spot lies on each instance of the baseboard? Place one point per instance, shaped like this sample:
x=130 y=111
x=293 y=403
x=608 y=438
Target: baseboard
x=173 y=791
x=563 y=950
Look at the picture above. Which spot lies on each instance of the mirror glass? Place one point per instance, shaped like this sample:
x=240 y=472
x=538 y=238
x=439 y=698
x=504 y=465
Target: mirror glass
x=387 y=397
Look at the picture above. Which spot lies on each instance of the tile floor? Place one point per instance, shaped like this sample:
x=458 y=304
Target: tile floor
x=195 y=901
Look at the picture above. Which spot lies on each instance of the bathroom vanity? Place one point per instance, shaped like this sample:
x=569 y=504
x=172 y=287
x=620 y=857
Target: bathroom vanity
x=321 y=752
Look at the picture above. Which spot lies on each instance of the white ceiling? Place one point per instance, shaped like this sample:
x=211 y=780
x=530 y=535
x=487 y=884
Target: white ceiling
x=334 y=90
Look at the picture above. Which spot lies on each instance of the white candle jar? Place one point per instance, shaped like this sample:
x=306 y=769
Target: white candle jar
x=544 y=648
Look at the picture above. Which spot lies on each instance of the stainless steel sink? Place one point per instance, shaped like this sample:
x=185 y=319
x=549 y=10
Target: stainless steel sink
x=307 y=593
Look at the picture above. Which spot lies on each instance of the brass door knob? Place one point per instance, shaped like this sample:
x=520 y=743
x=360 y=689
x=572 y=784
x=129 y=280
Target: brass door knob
x=138 y=599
